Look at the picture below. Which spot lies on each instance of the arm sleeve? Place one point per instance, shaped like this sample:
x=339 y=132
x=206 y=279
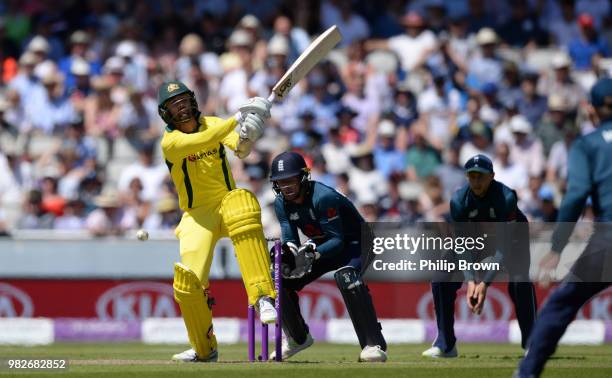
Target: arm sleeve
x=579 y=187
x=328 y=212
x=289 y=232
x=231 y=140
x=176 y=145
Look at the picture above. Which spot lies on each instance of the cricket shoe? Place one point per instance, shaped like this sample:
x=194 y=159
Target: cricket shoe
x=435 y=352
x=190 y=355
x=290 y=347
x=267 y=312
x=372 y=354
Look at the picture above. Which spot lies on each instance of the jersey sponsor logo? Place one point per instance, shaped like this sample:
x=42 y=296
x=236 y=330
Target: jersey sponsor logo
x=14 y=302
x=172 y=87
x=607 y=135
x=201 y=155
x=294 y=216
x=473 y=213
x=137 y=300
x=281 y=165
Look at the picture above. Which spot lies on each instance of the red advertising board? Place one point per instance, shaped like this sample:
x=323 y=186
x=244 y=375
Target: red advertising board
x=134 y=299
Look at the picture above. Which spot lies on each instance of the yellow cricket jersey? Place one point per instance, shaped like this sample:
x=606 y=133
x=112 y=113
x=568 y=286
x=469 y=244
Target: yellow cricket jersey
x=197 y=162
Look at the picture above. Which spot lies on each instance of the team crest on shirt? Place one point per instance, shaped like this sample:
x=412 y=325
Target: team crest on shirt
x=172 y=87
x=202 y=154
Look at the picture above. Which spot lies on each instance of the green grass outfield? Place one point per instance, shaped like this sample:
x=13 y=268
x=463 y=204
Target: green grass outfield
x=321 y=360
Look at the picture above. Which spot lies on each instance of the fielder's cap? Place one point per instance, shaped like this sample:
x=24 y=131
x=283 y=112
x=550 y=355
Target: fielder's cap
x=479 y=163
x=240 y=37
x=486 y=36
x=39 y=44
x=561 y=60
x=386 y=128
x=249 y=21
x=520 y=124
x=79 y=36
x=601 y=90
x=191 y=44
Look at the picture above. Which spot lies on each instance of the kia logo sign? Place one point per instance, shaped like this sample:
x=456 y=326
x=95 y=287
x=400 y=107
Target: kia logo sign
x=497 y=306
x=137 y=300
x=14 y=302
x=321 y=301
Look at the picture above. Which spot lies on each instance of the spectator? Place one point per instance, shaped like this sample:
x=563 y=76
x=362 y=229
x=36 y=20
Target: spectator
x=166 y=216
x=387 y=158
x=101 y=113
x=565 y=29
x=108 y=218
x=365 y=180
x=530 y=103
x=413 y=47
x=561 y=82
x=79 y=51
x=34 y=216
x=589 y=47
x=522 y=28
x=352 y=26
x=438 y=107
x=556 y=168
x=334 y=152
x=151 y=175
x=486 y=66
x=526 y=150
x=547 y=212
x=479 y=142
x=450 y=172
x=234 y=89
x=552 y=128
x=49 y=110
x=138 y=119
x=72 y=218
x=506 y=171
x=421 y=158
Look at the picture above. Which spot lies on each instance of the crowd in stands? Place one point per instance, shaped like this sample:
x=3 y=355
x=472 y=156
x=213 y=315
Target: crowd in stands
x=413 y=90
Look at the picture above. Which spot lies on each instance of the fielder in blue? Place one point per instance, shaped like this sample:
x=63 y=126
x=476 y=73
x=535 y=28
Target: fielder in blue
x=485 y=200
x=333 y=227
x=589 y=174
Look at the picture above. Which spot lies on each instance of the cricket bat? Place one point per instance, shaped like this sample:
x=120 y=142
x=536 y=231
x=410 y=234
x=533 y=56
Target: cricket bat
x=316 y=51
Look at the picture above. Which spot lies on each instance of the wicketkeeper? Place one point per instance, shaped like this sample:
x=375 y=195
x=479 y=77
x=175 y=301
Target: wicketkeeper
x=333 y=226
x=195 y=147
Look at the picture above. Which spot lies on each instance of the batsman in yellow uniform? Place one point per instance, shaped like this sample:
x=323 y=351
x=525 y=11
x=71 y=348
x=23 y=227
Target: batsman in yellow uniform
x=195 y=148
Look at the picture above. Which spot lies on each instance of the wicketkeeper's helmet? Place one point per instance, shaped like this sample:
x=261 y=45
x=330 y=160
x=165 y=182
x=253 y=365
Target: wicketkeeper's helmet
x=288 y=164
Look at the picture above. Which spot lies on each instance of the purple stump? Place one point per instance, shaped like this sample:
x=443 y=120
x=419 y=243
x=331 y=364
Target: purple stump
x=278 y=286
x=264 y=342
x=251 y=332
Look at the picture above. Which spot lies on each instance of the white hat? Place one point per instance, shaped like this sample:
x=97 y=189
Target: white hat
x=114 y=64
x=45 y=69
x=107 y=199
x=409 y=190
x=39 y=43
x=486 y=36
x=359 y=150
x=278 y=45
x=386 y=128
x=79 y=36
x=520 y=124
x=27 y=59
x=249 y=21
x=191 y=44
x=557 y=102
x=240 y=37
x=561 y=60
x=80 y=67
x=126 y=49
